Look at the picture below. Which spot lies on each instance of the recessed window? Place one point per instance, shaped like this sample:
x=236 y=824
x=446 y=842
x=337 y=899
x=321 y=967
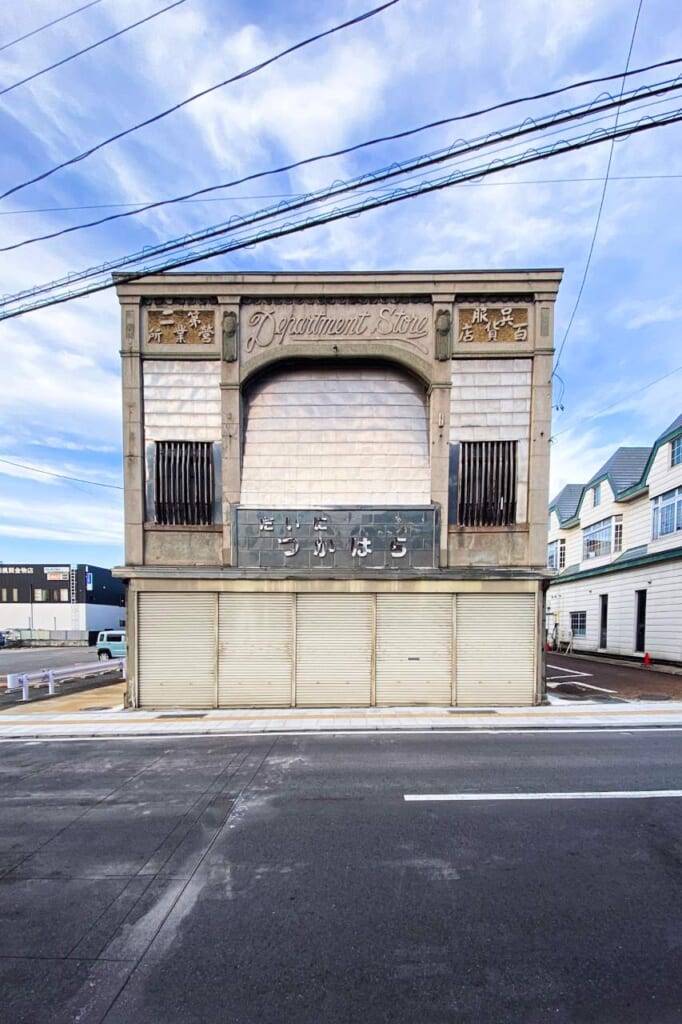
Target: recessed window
x=600 y=539
x=667 y=513
x=578 y=623
x=676 y=452
x=487 y=483
x=184 y=483
x=38 y=594
x=553 y=555
x=596 y=495
x=556 y=554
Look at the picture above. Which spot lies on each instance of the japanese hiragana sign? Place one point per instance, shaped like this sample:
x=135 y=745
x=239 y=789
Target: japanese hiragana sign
x=319 y=540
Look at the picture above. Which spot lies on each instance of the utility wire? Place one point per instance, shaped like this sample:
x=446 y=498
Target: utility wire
x=204 y=92
x=601 y=205
x=575 y=180
x=338 y=152
x=87 y=49
x=49 y=24
x=399 y=195
x=60 y=476
x=623 y=398
x=455 y=151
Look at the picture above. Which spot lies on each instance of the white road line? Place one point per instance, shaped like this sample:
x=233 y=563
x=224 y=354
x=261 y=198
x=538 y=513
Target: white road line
x=570 y=671
x=615 y=794
x=586 y=686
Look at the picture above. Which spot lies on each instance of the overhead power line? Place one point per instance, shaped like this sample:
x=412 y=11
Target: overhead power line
x=599 y=212
x=458 y=150
x=345 y=151
x=87 y=49
x=61 y=476
x=399 y=195
x=513 y=182
x=623 y=398
x=204 y=92
x=49 y=24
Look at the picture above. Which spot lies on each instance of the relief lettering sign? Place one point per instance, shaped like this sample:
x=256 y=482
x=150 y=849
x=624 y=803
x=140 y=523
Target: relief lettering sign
x=266 y=326
x=320 y=540
x=493 y=324
x=180 y=325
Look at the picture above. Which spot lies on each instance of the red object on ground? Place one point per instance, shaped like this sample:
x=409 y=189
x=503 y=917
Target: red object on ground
x=647 y=659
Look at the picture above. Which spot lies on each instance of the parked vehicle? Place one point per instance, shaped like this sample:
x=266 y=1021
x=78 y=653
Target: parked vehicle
x=111 y=643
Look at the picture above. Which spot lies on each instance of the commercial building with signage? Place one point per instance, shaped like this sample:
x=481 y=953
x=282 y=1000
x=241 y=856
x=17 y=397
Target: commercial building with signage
x=59 y=602
x=615 y=545
x=336 y=487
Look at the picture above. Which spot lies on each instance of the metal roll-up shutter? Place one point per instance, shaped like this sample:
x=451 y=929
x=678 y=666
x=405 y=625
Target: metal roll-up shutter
x=255 y=636
x=495 y=649
x=414 y=649
x=334 y=634
x=176 y=650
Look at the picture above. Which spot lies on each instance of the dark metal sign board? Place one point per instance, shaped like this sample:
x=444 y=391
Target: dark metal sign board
x=325 y=539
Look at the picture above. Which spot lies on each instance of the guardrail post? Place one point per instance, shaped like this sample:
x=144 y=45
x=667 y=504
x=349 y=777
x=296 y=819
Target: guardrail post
x=50 y=682
x=24 y=687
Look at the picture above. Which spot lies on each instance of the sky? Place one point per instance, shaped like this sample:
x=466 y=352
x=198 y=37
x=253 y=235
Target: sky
x=417 y=62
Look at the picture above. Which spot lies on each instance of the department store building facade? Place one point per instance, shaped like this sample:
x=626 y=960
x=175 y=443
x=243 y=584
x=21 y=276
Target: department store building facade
x=336 y=487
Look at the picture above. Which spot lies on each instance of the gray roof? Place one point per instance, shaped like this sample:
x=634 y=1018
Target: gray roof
x=623 y=470
x=675 y=425
x=566 y=502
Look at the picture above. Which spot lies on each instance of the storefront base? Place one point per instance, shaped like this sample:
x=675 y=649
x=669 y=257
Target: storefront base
x=236 y=643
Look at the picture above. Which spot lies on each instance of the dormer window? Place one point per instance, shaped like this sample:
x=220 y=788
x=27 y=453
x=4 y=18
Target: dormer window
x=676 y=452
x=596 y=495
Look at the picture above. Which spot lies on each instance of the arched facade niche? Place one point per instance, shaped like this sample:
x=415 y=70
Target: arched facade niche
x=322 y=433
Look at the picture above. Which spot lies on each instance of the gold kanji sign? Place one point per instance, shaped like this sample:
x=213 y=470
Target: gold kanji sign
x=493 y=324
x=180 y=326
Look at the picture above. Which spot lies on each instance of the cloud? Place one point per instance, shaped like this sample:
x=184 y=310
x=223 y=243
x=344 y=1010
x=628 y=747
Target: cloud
x=419 y=61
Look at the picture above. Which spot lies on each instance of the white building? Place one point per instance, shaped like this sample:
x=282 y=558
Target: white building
x=57 y=603
x=616 y=546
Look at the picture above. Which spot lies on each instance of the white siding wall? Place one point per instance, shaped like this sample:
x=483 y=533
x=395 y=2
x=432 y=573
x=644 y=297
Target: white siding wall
x=42 y=615
x=574 y=546
x=663 y=477
x=490 y=401
x=663 y=614
x=345 y=436
x=181 y=400
x=636 y=522
x=103 y=616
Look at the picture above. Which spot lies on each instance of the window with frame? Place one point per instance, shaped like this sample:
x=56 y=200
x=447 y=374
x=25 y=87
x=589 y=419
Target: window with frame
x=601 y=538
x=676 y=452
x=556 y=554
x=579 y=623
x=487 y=483
x=596 y=495
x=38 y=594
x=666 y=513
x=553 y=555
x=618 y=534
x=184 y=483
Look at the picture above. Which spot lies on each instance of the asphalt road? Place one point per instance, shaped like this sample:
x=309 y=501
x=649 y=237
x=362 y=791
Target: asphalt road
x=601 y=679
x=261 y=879
x=30 y=659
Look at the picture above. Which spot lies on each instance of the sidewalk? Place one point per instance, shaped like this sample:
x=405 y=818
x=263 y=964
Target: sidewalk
x=100 y=714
